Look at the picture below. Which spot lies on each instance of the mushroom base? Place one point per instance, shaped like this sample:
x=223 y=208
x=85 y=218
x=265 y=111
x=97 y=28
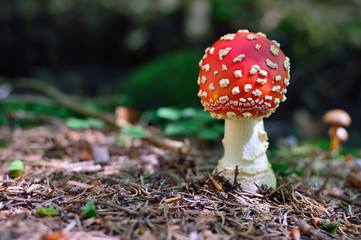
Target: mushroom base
x=250 y=182
x=245 y=145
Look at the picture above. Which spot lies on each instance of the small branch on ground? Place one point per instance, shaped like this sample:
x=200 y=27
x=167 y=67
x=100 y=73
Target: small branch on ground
x=71 y=104
x=345 y=199
x=63 y=99
x=167 y=143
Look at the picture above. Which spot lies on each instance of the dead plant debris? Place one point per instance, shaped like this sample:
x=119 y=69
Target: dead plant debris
x=143 y=191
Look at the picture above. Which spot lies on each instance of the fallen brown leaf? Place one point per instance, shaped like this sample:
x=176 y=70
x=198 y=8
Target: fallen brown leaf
x=57 y=235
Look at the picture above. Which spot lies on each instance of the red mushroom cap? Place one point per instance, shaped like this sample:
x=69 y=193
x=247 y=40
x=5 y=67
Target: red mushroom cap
x=243 y=75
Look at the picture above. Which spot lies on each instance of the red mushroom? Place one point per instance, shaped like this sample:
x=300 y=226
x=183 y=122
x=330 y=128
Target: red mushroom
x=243 y=78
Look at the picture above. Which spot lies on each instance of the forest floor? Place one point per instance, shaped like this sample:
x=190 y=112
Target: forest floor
x=143 y=191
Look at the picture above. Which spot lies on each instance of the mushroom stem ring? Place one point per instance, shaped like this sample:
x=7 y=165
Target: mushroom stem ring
x=245 y=145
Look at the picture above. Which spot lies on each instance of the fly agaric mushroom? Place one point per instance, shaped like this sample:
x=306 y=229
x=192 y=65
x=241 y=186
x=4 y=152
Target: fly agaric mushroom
x=337 y=118
x=242 y=79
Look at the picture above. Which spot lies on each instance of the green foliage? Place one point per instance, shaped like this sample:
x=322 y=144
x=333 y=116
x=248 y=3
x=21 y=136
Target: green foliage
x=283 y=169
x=133 y=132
x=181 y=128
x=283 y=155
x=168 y=113
x=329 y=227
x=6 y=107
x=316 y=35
x=89 y=209
x=190 y=122
x=77 y=123
x=280 y=167
x=50 y=211
x=15 y=103
x=16 y=167
x=321 y=143
x=170 y=79
x=228 y=10
x=3 y=143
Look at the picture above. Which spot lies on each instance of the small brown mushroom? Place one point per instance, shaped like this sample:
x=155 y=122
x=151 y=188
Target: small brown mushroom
x=337 y=118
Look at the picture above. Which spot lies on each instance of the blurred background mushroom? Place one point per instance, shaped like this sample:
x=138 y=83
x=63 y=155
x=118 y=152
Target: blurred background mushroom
x=144 y=54
x=338 y=118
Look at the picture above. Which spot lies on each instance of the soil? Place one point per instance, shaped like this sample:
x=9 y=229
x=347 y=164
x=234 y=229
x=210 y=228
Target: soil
x=143 y=191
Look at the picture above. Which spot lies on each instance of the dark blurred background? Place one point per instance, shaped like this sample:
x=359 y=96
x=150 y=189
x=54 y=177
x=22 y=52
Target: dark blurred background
x=146 y=52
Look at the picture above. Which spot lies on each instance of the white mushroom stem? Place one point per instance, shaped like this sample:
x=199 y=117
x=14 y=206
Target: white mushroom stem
x=245 y=145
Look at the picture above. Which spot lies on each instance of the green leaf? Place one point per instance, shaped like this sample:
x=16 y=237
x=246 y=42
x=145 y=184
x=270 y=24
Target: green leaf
x=89 y=209
x=197 y=114
x=189 y=113
x=121 y=140
x=16 y=167
x=329 y=227
x=218 y=128
x=3 y=143
x=181 y=128
x=77 y=123
x=95 y=123
x=208 y=134
x=168 y=113
x=50 y=211
x=279 y=167
x=134 y=132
